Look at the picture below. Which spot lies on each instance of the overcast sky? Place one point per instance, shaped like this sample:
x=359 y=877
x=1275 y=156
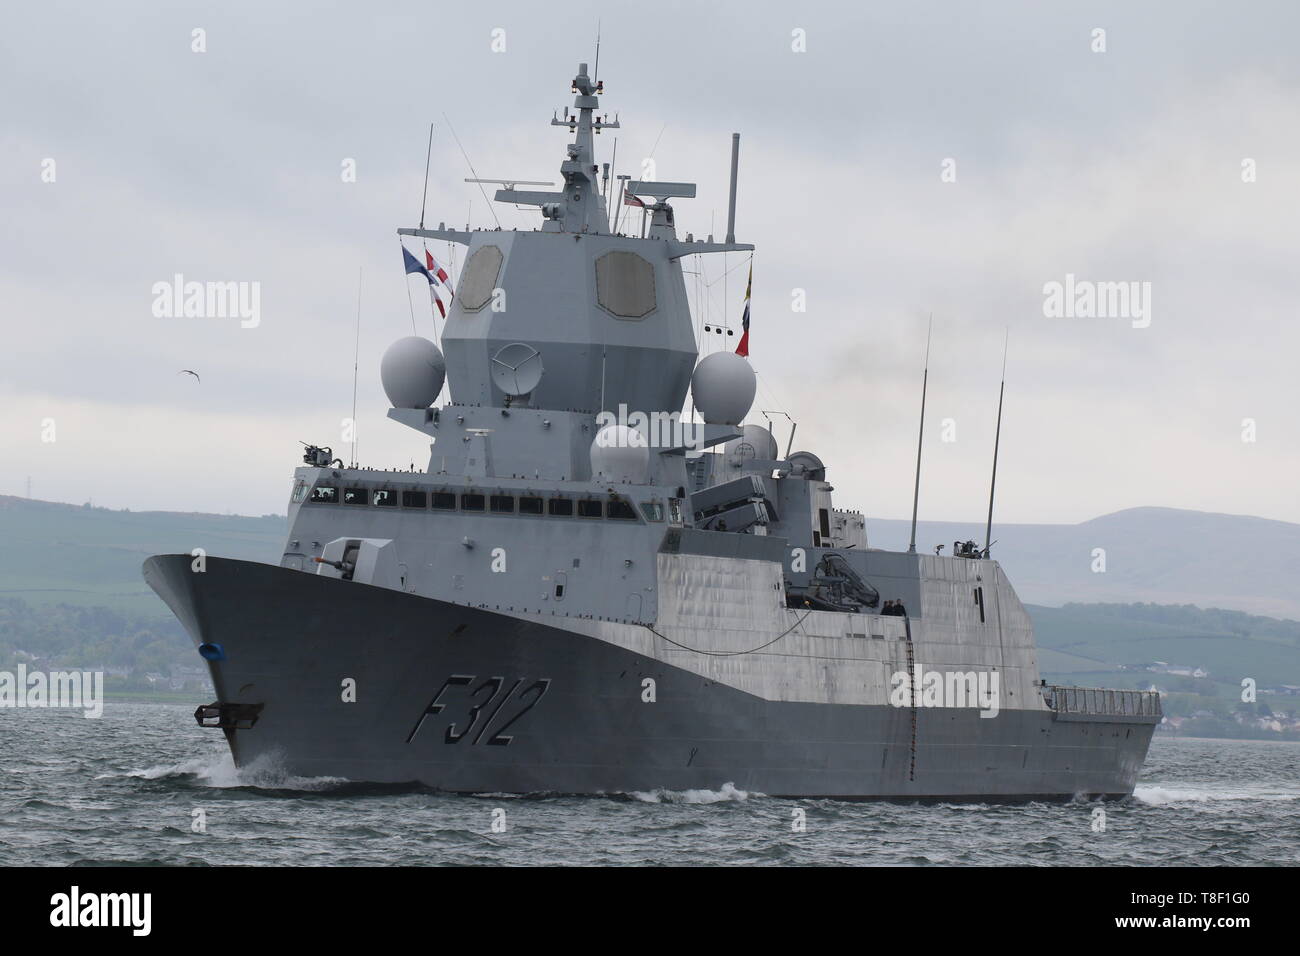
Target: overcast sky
x=1117 y=166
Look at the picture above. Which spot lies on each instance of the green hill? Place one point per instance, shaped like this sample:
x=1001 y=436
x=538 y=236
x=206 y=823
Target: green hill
x=53 y=553
x=1120 y=641
x=1165 y=555
x=71 y=593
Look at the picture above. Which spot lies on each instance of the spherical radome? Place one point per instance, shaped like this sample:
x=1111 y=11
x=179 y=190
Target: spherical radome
x=620 y=454
x=723 y=387
x=757 y=443
x=412 y=371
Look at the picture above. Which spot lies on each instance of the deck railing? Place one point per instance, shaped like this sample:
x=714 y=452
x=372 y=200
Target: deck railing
x=1097 y=700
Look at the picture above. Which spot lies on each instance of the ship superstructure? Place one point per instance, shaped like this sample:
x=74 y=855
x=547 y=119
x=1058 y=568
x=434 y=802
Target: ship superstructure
x=589 y=591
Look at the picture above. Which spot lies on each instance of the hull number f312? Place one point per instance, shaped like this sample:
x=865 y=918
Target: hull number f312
x=485 y=704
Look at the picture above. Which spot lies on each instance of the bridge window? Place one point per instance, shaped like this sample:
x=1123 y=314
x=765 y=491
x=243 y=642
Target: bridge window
x=621 y=509
x=502 y=504
x=470 y=502
x=325 y=495
x=530 y=505
x=588 y=508
x=414 y=499
x=561 y=507
x=652 y=510
x=355 y=496
x=444 y=501
x=384 y=498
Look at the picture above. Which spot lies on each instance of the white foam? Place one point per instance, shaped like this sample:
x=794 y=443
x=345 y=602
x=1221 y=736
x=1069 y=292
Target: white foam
x=219 y=771
x=726 y=793
x=1163 y=796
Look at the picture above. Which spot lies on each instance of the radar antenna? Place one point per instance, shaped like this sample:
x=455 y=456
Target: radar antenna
x=512 y=183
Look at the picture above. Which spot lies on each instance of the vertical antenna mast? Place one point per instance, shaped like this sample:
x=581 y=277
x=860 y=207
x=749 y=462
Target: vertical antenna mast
x=920 y=437
x=612 y=165
x=356 y=353
x=622 y=190
x=424 y=196
x=997 y=438
x=731 y=204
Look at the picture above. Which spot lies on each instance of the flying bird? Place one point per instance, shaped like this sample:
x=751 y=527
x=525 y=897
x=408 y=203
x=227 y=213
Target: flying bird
x=187 y=371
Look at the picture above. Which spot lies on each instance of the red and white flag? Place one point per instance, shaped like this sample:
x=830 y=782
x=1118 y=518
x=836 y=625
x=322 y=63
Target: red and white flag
x=435 y=270
x=439 y=276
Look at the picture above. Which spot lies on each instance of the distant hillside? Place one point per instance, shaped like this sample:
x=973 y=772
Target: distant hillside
x=54 y=553
x=83 y=555
x=1113 y=644
x=1158 y=555
x=71 y=594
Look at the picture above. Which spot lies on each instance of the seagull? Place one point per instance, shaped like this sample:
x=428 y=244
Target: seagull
x=186 y=371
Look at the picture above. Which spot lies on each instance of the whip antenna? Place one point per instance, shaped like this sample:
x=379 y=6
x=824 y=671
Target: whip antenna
x=356 y=353
x=997 y=437
x=920 y=438
x=425 y=195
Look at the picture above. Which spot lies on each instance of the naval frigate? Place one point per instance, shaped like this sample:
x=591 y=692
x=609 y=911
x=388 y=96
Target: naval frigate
x=588 y=591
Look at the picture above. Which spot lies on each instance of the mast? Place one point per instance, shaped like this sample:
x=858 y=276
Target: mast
x=356 y=357
x=731 y=203
x=424 y=196
x=580 y=205
x=920 y=438
x=997 y=438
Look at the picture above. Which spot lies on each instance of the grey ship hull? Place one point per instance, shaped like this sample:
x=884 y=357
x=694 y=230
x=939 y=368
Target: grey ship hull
x=559 y=711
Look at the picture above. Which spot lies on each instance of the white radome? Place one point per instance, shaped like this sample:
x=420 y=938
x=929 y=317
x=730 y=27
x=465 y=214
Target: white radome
x=412 y=371
x=757 y=443
x=723 y=386
x=620 y=454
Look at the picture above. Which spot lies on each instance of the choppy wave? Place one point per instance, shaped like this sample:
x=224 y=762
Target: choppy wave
x=219 y=771
x=727 y=793
x=1157 y=796
x=1198 y=803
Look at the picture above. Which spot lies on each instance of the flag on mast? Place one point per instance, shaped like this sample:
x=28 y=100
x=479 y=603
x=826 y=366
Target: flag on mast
x=434 y=273
x=434 y=268
x=413 y=266
x=743 y=348
x=438 y=277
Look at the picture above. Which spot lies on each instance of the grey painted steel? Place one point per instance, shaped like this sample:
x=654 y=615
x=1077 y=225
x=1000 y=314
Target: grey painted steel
x=731 y=203
x=290 y=639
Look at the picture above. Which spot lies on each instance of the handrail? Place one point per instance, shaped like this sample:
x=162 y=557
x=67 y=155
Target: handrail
x=1099 y=700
